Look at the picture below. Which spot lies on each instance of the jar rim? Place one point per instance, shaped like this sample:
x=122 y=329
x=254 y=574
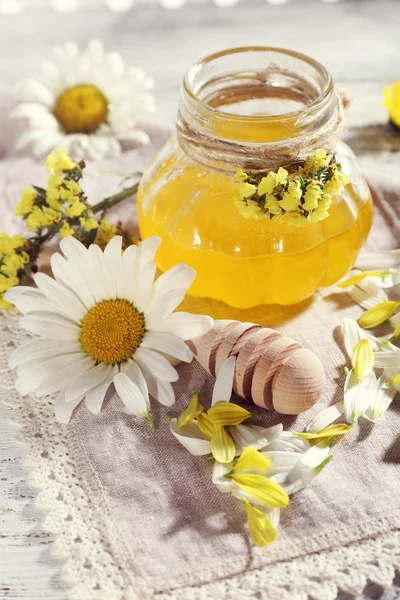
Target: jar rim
x=326 y=90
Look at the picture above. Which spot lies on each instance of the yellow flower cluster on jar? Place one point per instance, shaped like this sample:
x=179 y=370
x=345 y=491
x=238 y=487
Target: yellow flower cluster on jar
x=13 y=260
x=302 y=196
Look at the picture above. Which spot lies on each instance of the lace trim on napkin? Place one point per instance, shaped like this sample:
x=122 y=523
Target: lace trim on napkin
x=94 y=559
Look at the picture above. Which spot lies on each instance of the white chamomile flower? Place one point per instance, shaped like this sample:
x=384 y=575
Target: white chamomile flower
x=89 y=103
x=102 y=320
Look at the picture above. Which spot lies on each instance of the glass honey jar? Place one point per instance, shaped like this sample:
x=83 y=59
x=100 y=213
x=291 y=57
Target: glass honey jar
x=238 y=110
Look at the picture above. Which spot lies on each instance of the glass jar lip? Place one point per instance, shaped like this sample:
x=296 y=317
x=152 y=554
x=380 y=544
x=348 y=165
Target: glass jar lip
x=325 y=92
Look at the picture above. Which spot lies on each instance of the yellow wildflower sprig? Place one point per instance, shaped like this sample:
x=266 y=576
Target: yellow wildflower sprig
x=302 y=196
x=62 y=208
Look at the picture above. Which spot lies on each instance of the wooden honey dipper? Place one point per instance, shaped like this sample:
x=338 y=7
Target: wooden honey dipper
x=272 y=370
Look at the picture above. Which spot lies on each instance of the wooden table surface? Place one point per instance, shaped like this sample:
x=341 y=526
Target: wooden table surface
x=358 y=41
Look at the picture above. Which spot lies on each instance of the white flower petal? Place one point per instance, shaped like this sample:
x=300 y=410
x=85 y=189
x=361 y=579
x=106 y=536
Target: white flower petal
x=147 y=250
x=128 y=262
x=374 y=261
x=157 y=364
x=134 y=372
x=95 y=397
x=41 y=348
x=315 y=456
x=157 y=312
x=51 y=363
x=35 y=91
x=130 y=395
x=73 y=250
x=113 y=255
x=27 y=299
x=380 y=400
x=144 y=281
x=102 y=277
x=32 y=373
x=59 y=380
x=326 y=417
x=191 y=438
x=51 y=325
x=387 y=360
x=162 y=391
x=395 y=320
x=59 y=295
x=90 y=379
x=358 y=395
x=63 y=410
x=390 y=374
x=168 y=343
x=178 y=277
x=65 y=273
x=281 y=460
x=253 y=435
x=352 y=334
x=367 y=293
x=187 y=326
x=222 y=391
x=289 y=442
x=226 y=486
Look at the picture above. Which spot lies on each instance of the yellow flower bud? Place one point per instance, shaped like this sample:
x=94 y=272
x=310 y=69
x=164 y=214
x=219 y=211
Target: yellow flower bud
x=291 y=198
x=66 y=230
x=246 y=190
x=88 y=223
x=26 y=204
x=59 y=161
x=75 y=209
x=239 y=176
x=378 y=314
x=363 y=358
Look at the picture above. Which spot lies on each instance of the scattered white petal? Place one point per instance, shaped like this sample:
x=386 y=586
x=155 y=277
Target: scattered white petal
x=358 y=395
x=377 y=261
x=367 y=293
x=380 y=400
x=191 y=438
x=253 y=435
x=326 y=417
x=222 y=391
x=387 y=360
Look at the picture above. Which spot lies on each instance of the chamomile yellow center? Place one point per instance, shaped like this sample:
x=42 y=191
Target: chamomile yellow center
x=111 y=331
x=81 y=108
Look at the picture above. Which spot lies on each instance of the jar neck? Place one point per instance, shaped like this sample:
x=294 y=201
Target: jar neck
x=255 y=118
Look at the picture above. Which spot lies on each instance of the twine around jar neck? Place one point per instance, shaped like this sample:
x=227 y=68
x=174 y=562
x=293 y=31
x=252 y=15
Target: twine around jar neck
x=199 y=143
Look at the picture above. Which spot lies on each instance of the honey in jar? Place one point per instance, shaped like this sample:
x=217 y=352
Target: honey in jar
x=237 y=109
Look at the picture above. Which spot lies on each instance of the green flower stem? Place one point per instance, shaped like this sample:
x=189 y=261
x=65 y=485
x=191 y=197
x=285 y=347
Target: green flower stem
x=111 y=201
